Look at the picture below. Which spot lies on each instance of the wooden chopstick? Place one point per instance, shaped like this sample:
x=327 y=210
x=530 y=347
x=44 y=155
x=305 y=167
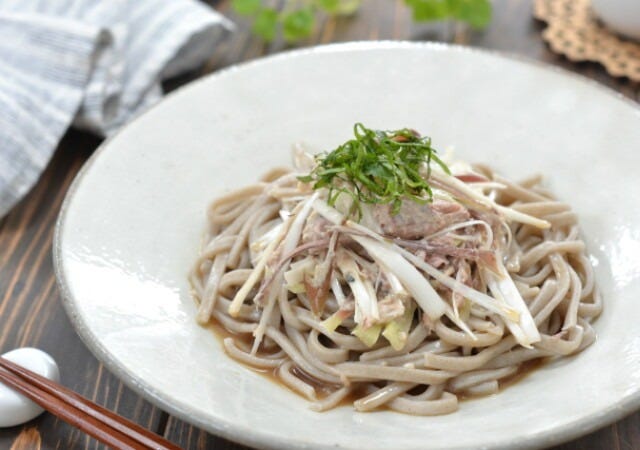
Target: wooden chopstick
x=98 y=422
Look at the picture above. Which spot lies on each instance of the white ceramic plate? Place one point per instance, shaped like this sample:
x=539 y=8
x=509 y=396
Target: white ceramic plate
x=131 y=225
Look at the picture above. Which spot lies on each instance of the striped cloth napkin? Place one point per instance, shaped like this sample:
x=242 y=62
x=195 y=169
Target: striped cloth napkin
x=93 y=63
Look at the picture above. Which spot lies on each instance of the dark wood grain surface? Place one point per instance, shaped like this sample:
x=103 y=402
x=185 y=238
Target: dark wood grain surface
x=31 y=313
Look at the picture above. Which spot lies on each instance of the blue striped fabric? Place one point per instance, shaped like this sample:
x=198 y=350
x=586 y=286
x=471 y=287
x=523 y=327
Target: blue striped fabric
x=95 y=64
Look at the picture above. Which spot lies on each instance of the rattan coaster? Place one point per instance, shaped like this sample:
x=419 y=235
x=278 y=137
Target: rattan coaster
x=575 y=32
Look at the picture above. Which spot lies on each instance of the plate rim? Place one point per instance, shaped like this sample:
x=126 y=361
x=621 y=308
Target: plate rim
x=260 y=438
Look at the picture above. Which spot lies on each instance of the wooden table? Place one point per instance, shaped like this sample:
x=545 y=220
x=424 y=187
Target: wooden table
x=31 y=313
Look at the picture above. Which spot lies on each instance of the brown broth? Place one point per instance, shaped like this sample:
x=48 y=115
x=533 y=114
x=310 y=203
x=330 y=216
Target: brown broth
x=323 y=389
x=524 y=370
x=221 y=333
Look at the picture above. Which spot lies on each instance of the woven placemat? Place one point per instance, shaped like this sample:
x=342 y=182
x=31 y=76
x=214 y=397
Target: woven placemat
x=574 y=31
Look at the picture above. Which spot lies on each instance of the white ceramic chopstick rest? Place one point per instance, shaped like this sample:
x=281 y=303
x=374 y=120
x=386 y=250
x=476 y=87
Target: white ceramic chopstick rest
x=16 y=409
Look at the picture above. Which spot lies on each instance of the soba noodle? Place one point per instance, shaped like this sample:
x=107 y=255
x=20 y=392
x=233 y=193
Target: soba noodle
x=267 y=243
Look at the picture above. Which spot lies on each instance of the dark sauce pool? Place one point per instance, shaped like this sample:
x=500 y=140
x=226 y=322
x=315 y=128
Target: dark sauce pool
x=323 y=390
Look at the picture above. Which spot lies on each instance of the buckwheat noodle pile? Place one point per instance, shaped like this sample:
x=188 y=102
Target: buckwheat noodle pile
x=404 y=297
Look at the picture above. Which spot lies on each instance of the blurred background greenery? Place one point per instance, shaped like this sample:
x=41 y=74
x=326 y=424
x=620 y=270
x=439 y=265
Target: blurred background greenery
x=296 y=19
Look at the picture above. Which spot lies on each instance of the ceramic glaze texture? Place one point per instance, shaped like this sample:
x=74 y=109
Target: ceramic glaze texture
x=131 y=228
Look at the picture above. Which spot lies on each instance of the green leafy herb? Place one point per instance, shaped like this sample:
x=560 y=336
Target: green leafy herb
x=340 y=7
x=476 y=13
x=265 y=24
x=377 y=167
x=297 y=24
x=246 y=7
x=297 y=19
x=428 y=10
